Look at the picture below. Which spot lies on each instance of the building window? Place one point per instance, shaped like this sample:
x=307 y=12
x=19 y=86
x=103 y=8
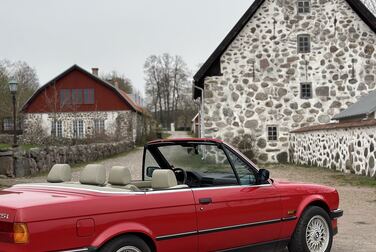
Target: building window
x=306 y=90
x=77 y=96
x=78 y=129
x=57 y=128
x=304 y=43
x=304 y=6
x=99 y=126
x=272 y=133
x=8 y=124
x=88 y=96
x=65 y=97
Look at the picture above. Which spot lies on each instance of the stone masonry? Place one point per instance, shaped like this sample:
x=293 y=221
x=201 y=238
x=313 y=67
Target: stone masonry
x=20 y=163
x=351 y=150
x=119 y=125
x=262 y=72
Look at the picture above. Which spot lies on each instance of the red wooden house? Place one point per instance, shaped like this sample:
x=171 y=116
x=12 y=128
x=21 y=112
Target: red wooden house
x=79 y=104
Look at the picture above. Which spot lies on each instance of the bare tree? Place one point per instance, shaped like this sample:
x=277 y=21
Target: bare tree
x=27 y=80
x=121 y=80
x=166 y=80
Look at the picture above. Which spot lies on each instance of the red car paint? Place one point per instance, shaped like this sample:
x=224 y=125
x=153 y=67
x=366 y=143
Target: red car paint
x=61 y=219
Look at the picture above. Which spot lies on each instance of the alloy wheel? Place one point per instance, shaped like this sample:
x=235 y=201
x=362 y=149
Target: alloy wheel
x=129 y=249
x=317 y=234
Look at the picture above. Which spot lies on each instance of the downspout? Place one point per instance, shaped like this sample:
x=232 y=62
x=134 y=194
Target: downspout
x=202 y=130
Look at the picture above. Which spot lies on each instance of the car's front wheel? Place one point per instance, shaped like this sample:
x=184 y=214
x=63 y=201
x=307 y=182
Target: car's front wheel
x=127 y=243
x=313 y=233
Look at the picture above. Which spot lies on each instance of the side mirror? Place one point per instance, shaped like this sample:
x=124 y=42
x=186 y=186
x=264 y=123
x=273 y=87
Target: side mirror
x=150 y=170
x=263 y=176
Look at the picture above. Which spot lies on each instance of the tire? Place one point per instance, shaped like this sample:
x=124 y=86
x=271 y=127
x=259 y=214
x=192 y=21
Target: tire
x=126 y=243
x=313 y=233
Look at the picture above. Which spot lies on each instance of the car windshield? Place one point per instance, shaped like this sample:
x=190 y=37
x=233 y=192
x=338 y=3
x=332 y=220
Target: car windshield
x=203 y=158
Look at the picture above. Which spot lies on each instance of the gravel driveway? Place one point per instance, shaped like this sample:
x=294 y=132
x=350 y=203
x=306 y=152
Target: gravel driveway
x=357 y=229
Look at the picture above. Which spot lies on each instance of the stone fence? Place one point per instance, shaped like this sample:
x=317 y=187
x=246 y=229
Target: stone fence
x=346 y=147
x=22 y=163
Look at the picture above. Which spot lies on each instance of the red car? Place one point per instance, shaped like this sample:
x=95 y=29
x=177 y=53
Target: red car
x=196 y=195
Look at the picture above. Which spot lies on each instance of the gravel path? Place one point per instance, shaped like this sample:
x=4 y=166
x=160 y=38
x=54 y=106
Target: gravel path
x=357 y=229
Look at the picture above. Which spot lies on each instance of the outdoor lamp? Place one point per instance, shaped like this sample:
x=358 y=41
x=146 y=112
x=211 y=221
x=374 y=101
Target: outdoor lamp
x=13 y=85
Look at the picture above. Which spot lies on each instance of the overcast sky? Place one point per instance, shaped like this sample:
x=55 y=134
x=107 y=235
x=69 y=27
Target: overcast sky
x=52 y=35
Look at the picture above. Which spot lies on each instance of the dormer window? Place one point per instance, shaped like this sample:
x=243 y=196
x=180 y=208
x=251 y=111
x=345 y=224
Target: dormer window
x=304 y=6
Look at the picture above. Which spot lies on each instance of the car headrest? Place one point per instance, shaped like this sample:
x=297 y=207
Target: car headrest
x=120 y=176
x=93 y=174
x=163 y=179
x=59 y=173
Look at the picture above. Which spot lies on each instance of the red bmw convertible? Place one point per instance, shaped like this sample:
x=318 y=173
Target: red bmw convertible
x=195 y=195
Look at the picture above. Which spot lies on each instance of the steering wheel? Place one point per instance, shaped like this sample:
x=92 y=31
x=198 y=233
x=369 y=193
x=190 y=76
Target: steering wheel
x=181 y=175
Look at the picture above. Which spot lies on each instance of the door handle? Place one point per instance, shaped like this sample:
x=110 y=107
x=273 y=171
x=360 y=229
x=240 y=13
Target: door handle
x=205 y=201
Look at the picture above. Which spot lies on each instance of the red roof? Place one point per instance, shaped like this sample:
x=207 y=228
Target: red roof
x=119 y=92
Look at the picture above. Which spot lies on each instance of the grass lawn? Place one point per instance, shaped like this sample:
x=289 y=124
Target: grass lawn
x=319 y=175
x=166 y=135
x=24 y=146
x=4 y=146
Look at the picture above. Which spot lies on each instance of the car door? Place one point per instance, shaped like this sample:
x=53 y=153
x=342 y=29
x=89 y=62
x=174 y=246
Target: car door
x=237 y=215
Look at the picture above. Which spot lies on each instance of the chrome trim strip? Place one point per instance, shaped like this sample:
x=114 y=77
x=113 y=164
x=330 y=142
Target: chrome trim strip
x=168 y=191
x=76 y=250
x=175 y=236
x=229 y=187
x=138 y=193
x=75 y=189
x=206 y=231
x=292 y=218
x=220 y=229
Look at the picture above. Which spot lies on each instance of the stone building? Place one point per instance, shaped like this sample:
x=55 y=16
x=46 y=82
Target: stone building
x=349 y=145
x=287 y=64
x=78 y=104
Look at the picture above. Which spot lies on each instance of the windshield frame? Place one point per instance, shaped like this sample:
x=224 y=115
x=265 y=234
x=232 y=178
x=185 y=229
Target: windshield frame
x=162 y=162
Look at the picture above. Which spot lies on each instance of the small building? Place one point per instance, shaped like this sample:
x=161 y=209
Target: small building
x=348 y=145
x=363 y=110
x=287 y=65
x=78 y=104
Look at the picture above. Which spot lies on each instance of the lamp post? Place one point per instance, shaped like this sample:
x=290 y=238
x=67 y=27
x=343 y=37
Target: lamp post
x=202 y=130
x=13 y=85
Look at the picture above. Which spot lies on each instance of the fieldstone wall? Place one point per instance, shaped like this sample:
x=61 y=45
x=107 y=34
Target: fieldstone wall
x=119 y=125
x=262 y=72
x=346 y=150
x=40 y=160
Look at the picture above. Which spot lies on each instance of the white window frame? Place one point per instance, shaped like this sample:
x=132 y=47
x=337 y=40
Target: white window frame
x=99 y=126
x=78 y=129
x=57 y=128
x=8 y=124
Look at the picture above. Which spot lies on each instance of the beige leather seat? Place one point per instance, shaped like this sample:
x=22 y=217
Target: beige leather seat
x=120 y=177
x=93 y=174
x=60 y=173
x=164 y=180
